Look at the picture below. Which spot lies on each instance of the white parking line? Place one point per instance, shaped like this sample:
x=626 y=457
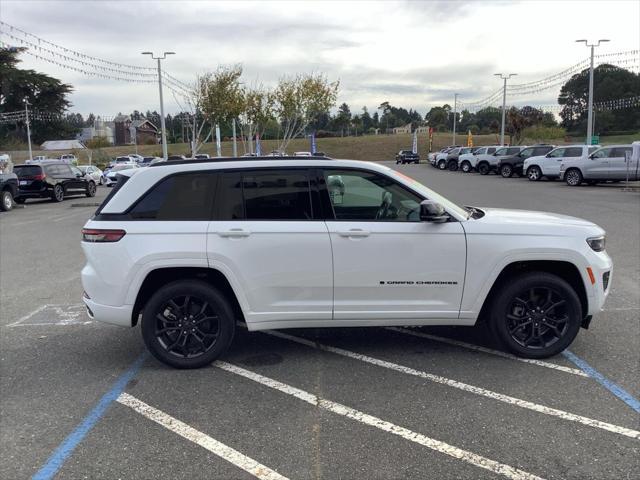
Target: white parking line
x=627 y=432
x=205 y=441
x=478 y=348
x=364 y=418
x=28 y=316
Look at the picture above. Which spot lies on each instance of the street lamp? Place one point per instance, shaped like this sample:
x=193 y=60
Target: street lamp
x=26 y=121
x=162 y=126
x=504 y=101
x=455 y=108
x=590 y=111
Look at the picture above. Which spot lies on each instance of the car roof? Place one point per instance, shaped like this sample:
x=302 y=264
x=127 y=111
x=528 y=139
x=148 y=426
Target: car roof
x=239 y=159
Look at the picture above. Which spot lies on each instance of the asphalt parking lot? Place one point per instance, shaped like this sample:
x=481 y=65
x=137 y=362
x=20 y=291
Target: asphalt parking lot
x=81 y=399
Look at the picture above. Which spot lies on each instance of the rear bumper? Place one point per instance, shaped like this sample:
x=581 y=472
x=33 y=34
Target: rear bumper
x=109 y=314
x=33 y=193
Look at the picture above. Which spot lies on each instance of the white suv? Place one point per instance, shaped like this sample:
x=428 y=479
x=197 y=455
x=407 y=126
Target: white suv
x=549 y=165
x=191 y=248
x=468 y=161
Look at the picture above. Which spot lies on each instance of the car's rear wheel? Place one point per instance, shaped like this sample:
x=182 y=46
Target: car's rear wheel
x=442 y=164
x=6 y=201
x=536 y=315
x=573 y=177
x=483 y=169
x=506 y=171
x=58 y=193
x=534 y=173
x=465 y=167
x=453 y=165
x=91 y=190
x=187 y=324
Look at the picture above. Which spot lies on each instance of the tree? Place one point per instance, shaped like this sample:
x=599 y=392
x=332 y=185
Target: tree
x=44 y=94
x=256 y=112
x=367 y=121
x=343 y=118
x=609 y=83
x=299 y=100
x=438 y=117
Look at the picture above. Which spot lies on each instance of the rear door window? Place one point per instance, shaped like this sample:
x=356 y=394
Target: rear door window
x=277 y=195
x=491 y=150
x=603 y=153
x=557 y=153
x=178 y=197
x=621 y=151
x=512 y=151
x=573 y=152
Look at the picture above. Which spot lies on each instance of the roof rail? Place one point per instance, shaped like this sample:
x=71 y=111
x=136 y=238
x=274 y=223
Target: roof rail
x=237 y=159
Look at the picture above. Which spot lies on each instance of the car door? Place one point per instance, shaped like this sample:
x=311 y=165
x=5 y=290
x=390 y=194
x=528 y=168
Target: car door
x=550 y=166
x=596 y=166
x=79 y=180
x=387 y=264
x=618 y=163
x=266 y=238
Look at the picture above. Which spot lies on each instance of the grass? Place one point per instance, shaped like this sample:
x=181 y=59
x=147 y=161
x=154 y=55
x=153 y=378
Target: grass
x=369 y=147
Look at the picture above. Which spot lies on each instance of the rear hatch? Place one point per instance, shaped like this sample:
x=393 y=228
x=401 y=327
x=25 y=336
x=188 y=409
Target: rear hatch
x=30 y=177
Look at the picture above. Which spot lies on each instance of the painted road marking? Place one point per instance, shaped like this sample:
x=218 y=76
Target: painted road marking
x=627 y=432
x=66 y=448
x=205 y=441
x=491 y=351
x=364 y=418
x=60 y=315
x=617 y=390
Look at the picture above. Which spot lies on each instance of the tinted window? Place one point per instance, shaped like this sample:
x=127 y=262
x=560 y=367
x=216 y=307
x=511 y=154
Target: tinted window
x=480 y=151
x=541 y=151
x=27 y=170
x=603 y=153
x=57 y=171
x=512 y=151
x=621 y=151
x=592 y=149
x=501 y=151
x=76 y=171
x=491 y=150
x=573 y=152
x=558 y=152
x=229 y=202
x=527 y=152
x=367 y=196
x=277 y=195
x=180 y=197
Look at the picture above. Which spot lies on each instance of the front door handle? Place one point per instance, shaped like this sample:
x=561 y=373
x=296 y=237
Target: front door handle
x=354 y=232
x=235 y=232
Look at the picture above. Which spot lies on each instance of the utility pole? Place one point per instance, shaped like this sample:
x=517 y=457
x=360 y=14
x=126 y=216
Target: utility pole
x=235 y=145
x=590 y=111
x=455 y=113
x=26 y=120
x=162 y=126
x=504 y=101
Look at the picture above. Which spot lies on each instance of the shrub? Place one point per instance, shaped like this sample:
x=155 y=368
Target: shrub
x=540 y=133
x=98 y=142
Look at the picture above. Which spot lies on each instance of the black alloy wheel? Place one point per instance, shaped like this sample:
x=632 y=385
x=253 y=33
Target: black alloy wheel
x=483 y=169
x=537 y=315
x=453 y=165
x=58 y=193
x=187 y=324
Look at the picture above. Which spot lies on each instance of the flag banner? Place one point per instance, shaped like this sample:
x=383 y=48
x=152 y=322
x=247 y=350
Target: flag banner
x=312 y=141
x=430 y=139
x=414 y=147
x=469 y=139
x=258 y=146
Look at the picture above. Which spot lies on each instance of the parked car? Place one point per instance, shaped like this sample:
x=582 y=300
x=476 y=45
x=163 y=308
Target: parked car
x=92 y=171
x=407 y=156
x=39 y=158
x=123 y=159
x=135 y=157
x=8 y=190
x=156 y=160
x=549 y=165
x=509 y=166
x=146 y=161
x=489 y=163
x=68 y=158
x=201 y=156
x=467 y=162
x=302 y=154
x=442 y=153
x=52 y=180
x=176 y=157
x=537 y=276
x=605 y=164
x=111 y=178
x=453 y=157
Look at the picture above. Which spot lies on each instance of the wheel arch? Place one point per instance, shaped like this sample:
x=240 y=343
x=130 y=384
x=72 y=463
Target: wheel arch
x=161 y=276
x=563 y=269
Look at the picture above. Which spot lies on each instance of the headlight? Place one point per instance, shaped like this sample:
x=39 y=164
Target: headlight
x=597 y=243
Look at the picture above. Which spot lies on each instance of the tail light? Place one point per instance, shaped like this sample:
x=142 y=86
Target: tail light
x=99 y=235
x=39 y=177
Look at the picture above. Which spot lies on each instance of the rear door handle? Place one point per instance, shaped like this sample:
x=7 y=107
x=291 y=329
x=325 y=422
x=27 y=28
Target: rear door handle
x=235 y=232
x=354 y=232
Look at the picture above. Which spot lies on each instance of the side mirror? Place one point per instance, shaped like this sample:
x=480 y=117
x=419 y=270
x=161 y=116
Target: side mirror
x=431 y=211
x=79 y=175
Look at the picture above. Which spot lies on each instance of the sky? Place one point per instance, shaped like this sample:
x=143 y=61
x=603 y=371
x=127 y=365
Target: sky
x=413 y=54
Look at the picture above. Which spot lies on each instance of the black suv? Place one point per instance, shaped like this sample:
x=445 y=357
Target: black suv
x=52 y=180
x=407 y=156
x=510 y=165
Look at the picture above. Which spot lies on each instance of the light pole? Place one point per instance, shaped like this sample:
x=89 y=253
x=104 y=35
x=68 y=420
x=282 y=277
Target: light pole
x=590 y=111
x=162 y=127
x=26 y=121
x=455 y=111
x=504 y=101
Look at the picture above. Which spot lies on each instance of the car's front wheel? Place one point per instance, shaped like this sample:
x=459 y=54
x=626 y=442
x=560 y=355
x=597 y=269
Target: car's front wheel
x=534 y=173
x=573 y=177
x=6 y=201
x=58 y=193
x=536 y=315
x=442 y=164
x=453 y=165
x=91 y=190
x=506 y=171
x=483 y=169
x=465 y=167
x=187 y=324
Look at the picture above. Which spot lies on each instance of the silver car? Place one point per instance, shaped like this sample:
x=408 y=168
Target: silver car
x=610 y=163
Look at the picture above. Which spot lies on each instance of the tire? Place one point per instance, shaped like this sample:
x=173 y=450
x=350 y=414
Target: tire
x=534 y=173
x=573 y=177
x=483 y=169
x=442 y=164
x=536 y=303
x=465 y=167
x=57 y=195
x=91 y=189
x=187 y=298
x=20 y=200
x=6 y=201
x=506 y=171
x=453 y=165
